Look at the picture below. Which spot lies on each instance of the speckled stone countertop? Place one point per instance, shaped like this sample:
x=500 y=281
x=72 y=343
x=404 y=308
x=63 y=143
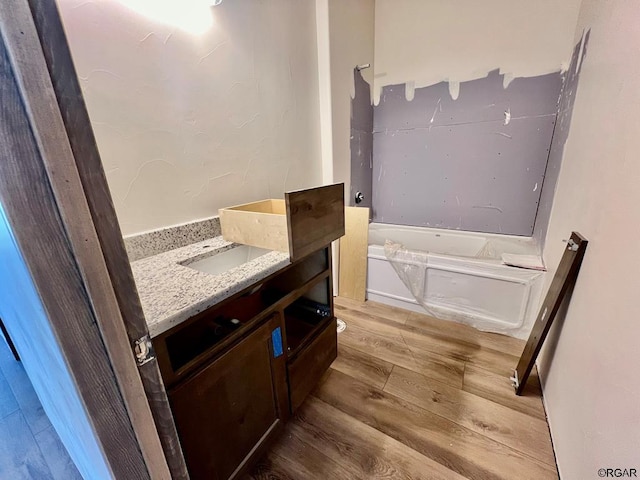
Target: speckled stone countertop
x=172 y=292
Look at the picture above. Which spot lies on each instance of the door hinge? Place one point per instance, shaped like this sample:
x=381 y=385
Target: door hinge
x=143 y=350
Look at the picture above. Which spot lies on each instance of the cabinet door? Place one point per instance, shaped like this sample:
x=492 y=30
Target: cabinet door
x=228 y=410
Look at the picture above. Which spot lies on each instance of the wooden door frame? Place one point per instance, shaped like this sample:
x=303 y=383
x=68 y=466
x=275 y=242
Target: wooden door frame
x=57 y=152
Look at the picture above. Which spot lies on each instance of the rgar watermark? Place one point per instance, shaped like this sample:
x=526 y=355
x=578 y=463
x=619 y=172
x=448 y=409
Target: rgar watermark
x=618 y=472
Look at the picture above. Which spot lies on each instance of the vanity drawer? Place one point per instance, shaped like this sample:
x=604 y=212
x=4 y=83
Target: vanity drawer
x=302 y=223
x=310 y=364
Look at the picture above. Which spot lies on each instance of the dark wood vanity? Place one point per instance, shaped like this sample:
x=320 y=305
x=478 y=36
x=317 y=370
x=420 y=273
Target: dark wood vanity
x=237 y=371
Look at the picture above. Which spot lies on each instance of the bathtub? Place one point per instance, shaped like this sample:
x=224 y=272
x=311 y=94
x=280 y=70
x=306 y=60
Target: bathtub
x=456 y=276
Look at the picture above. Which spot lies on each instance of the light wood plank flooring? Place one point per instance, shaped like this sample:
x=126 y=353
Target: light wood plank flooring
x=413 y=397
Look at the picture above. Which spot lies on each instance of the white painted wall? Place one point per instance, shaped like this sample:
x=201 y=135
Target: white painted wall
x=428 y=41
x=324 y=86
x=351 y=38
x=188 y=122
x=592 y=382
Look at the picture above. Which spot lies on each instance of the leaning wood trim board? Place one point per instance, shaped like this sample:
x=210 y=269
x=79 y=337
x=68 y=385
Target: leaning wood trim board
x=83 y=144
x=48 y=128
x=564 y=279
x=353 y=254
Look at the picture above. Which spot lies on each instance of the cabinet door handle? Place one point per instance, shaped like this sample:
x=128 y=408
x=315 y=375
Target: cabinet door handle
x=276 y=340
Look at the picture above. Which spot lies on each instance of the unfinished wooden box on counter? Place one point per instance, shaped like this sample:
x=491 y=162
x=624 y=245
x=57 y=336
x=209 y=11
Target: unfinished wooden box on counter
x=303 y=222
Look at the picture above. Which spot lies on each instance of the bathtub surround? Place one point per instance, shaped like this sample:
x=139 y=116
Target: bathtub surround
x=151 y=243
x=560 y=135
x=475 y=163
x=361 y=141
x=187 y=123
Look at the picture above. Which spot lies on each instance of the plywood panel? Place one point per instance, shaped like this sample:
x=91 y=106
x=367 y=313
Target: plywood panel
x=260 y=228
x=353 y=254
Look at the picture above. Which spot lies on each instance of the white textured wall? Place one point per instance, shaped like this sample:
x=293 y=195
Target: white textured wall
x=427 y=41
x=351 y=38
x=187 y=123
x=592 y=382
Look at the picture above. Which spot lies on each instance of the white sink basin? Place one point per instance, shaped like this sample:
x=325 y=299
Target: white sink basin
x=224 y=261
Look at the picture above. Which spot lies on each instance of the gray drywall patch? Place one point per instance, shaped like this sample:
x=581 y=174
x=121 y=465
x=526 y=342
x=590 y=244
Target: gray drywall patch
x=361 y=141
x=560 y=136
x=475 y=163
x=481 y=177
x=362 y=166
x=361 y=107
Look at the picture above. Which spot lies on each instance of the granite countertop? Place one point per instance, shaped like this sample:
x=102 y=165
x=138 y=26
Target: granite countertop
x=171 y=292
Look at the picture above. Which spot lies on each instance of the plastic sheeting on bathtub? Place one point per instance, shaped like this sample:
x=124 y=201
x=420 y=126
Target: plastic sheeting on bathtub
x=502 y=313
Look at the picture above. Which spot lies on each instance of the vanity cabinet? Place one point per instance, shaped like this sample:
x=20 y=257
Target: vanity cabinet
x=237 y=371
x=229 y=408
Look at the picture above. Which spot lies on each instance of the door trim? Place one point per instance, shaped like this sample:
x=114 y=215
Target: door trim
x=66 y=211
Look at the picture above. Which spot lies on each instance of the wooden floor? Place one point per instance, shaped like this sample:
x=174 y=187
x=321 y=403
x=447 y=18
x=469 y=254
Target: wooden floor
x=29 y=446
x=412 y=397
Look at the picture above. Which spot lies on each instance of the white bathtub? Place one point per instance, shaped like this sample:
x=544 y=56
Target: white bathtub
x=460 y=277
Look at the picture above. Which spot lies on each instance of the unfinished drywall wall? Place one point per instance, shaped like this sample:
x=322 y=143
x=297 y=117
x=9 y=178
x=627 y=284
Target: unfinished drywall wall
x=560 y=135
x=474 y=163
x=24 y=316
x=361 y=142
x=462 y=65
x=589 y=366
x=428 y=41
x=198 y=107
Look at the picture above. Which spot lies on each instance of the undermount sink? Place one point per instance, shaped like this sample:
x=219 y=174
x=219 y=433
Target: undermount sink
x=225 y=261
